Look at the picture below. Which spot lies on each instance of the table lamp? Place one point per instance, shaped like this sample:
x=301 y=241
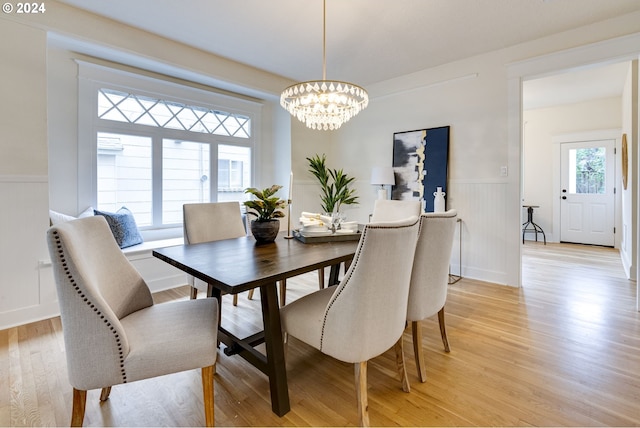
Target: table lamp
x=382 y=175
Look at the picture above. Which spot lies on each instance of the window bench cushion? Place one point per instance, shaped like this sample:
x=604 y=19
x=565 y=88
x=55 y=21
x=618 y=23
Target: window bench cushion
x=148 y=246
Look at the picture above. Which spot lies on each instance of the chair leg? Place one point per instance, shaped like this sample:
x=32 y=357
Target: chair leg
x=235 y=300
x=250 y=296
x=194 y=293
x=402 y=367
x=443 y=330
x=104 y=394
x=416 y=332
x=77 y=411
x=283 y=292
x=321 y=278
x=207 y=392
x=361 y=393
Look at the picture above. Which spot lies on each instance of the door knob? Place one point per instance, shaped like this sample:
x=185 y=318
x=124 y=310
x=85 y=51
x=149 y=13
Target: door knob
x=564 y=197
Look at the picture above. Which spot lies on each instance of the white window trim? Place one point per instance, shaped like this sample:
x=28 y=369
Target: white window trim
x=92 y=77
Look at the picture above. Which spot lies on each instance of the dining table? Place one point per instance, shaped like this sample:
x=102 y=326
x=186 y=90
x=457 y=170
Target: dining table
x=232 y=266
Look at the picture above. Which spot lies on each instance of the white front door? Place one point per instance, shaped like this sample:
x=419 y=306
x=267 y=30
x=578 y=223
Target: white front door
x=587 y=192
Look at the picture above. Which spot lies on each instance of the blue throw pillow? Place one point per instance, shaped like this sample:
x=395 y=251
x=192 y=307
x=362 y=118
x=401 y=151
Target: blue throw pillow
x=123 y=226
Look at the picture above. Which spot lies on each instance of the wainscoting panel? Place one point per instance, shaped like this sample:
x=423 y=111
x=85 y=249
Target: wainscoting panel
x=482 y=207
x=481 y=204
x=24 y=220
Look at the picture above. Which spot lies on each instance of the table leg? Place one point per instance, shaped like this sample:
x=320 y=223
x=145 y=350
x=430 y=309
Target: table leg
x=334 y=273
x=213 y=292
x=276 y=368
x=216 y=294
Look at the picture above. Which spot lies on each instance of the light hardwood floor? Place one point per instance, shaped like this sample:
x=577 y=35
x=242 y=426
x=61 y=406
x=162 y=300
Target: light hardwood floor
x=563 y=350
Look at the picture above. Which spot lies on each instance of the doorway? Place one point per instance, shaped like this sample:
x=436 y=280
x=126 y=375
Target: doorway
x=580 y=114
x=607 y=52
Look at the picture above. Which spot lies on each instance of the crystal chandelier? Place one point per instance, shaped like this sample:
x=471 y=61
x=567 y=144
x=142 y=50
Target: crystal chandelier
x=324 y=104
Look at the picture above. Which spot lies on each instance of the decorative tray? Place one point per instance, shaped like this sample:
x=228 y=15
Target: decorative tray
x=316 y=237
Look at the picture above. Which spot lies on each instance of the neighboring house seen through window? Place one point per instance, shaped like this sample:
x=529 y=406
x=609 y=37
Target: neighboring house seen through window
x=155 y=152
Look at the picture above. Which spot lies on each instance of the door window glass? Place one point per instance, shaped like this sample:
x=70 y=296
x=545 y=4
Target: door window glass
x=587 y=170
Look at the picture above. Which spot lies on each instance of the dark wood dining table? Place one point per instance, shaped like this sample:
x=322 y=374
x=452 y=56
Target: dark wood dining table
x=236 y=265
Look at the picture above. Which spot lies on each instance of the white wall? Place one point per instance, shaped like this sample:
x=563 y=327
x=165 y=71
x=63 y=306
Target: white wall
x=24 y=121
x=540 y=126
x=305 y=144
x=470 y=97
x=473 y=96
x=23 y=173
x=628 y=226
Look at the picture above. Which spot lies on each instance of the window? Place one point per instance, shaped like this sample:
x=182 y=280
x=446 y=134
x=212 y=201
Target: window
x=124 y=175
x=161 y=146
x=588 y=168
x=185 y=176
x=232 y=168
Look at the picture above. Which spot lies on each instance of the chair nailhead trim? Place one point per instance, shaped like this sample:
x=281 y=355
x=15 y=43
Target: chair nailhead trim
x=85 y=299
x=354 y=263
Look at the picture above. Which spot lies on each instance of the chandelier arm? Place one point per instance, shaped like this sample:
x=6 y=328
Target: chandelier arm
x=324 y=39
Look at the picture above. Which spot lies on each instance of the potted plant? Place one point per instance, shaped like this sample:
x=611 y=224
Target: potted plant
x=334 y=183
x=267 y=209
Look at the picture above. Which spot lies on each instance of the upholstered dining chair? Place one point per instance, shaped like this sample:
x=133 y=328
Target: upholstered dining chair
x=365 y=314
x=113 y=332
x=393 y=210
x=211 y=221
x=430 y=278
x=214 y=221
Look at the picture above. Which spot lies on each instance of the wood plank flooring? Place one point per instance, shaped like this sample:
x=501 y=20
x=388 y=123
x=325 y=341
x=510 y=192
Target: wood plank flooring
x=563 y=350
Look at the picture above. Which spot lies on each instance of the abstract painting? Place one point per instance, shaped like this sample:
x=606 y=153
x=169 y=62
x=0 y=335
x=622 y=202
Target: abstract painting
x=420 y=164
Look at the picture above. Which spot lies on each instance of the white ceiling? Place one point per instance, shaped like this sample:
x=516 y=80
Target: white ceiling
x=368 y=41
x=575 y=86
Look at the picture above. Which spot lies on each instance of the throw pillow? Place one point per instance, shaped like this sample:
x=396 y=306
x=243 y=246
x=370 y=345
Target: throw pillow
x=86 y=213
x=123 y=226
x=57 y=218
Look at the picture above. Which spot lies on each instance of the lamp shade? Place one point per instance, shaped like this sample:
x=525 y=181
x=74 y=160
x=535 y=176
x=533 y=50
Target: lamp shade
x=382 y=175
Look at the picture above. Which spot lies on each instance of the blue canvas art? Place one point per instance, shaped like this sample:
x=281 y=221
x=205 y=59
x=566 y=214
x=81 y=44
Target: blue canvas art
x=420 y=164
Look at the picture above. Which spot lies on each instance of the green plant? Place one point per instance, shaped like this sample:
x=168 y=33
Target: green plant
x=266 y=206
x=334 y=183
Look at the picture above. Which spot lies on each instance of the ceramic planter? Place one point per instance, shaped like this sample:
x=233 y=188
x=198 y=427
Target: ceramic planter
x=265 y=231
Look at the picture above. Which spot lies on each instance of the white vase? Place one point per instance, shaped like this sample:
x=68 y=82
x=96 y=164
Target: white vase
x=438 y=200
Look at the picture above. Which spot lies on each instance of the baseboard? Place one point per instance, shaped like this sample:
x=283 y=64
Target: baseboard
x=28 y=315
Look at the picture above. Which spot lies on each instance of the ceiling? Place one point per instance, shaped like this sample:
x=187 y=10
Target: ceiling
x=367 y=41
x=576 y=86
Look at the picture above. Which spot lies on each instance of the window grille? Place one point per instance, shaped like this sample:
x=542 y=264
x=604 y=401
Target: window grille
x=143 y=110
